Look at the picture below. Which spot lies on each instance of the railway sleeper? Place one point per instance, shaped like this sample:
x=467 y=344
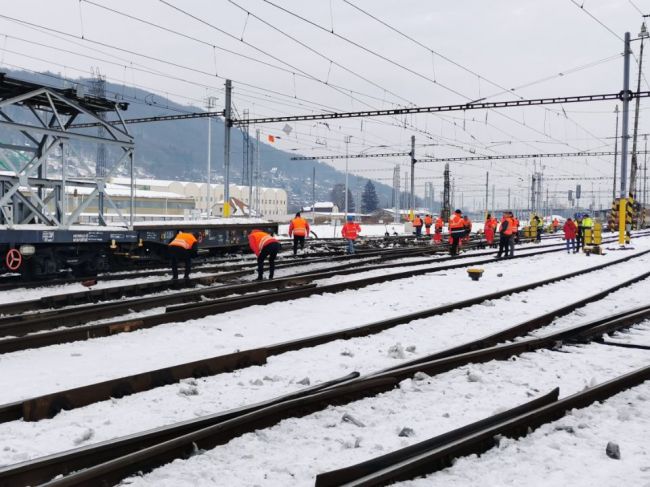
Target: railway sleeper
x=98 y=391
x=114 y=470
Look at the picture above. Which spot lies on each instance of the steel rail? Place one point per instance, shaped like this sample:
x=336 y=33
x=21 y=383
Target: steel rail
x=94 y=295
x=203 y=308
x=46 y=406
x=20 y=325
x=440 y=452
x=182 y=312
x=112 y=471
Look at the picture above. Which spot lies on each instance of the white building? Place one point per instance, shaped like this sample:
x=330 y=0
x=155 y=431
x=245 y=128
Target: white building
x=272 y=201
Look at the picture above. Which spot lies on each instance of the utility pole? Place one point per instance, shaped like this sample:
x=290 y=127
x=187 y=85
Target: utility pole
x=626 y=95
x=643 y=34
x=313 y=196
x=99 y=90
x=615 y=154
x=396 y=190
x=487 y=190
x=532 y=193
x=251 y=159
x=493 y=192
x=347 y=144
x=256 y=176
x=412 y=201
x=209 y=105
x=445 y=211
x=226 y=150
x=645 y=173
x=508 y=200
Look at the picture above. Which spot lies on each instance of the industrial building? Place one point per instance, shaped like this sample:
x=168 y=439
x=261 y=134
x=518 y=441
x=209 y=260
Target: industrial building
x=272 y=201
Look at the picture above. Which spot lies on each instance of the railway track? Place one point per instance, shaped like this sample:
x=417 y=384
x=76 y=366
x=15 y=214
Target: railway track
x=324 y=248
x=321 y=248
x=140 y=289
x=439 y=452
x=46 y=406
x=22 y=329
x=109 y=462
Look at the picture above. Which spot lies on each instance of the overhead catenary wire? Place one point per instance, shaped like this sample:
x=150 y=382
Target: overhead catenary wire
x=370 y=51
x=455 y=63
x=288 y=96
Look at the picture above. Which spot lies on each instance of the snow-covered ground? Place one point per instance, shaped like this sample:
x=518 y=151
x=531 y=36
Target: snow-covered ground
x=570 y=451
x=334 y=231
x=63 y=366
x=295 y=450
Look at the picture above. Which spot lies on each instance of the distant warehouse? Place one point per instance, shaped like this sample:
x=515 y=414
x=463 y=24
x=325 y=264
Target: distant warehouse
x=271 y=202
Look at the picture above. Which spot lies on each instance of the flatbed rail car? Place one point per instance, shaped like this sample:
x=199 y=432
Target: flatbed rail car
x=37 y=251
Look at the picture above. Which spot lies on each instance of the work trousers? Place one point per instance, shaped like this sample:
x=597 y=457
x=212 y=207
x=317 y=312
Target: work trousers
x=418 y=231
x=179 y=253
x=428 y=229
x=456 y=236
x=571 y=244
x=271 y=251
x=506 y=245
x=298 y=241
x=350 y=246
x=580 y=240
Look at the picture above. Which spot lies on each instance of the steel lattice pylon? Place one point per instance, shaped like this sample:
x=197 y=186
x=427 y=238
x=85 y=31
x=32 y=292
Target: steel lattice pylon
x=46 y=114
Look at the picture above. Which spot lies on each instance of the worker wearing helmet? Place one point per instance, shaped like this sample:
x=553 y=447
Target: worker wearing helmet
x=417 y=224
x=264 y=245
x=456 y=231
x=299 y=230
x=428 y=221
x=580 y=236
x=506 y=231
x=350 y=232
x=587 y=224
x=437 y=235
x=488 y=230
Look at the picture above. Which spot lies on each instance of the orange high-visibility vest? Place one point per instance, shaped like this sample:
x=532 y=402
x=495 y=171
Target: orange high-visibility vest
x=439 y=224
x=350 y=230
x=511 y=226
x=456 y=222
x=258 y=239
x=428 y=220
x=417 y=222
x=299 y=227
x=183 y=240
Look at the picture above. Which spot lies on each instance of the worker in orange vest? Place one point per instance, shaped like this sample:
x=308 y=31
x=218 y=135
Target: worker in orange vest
x=456 y=230
x=437 y=235
x=555 y=225
x=417 y=224
x=468 y=228
x=299 y=229
x=428 y=221
x=488 y=230
x=506 y=231
x=515 y=233
x=264 y=245
x=350 y=232
x=182 y=247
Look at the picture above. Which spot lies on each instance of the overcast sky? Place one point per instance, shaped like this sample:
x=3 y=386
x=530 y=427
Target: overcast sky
x=495 y=44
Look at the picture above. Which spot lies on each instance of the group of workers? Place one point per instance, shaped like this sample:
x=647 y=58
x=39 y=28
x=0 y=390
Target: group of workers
x=184 y=245
x=575 y=231
x=508 y=235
